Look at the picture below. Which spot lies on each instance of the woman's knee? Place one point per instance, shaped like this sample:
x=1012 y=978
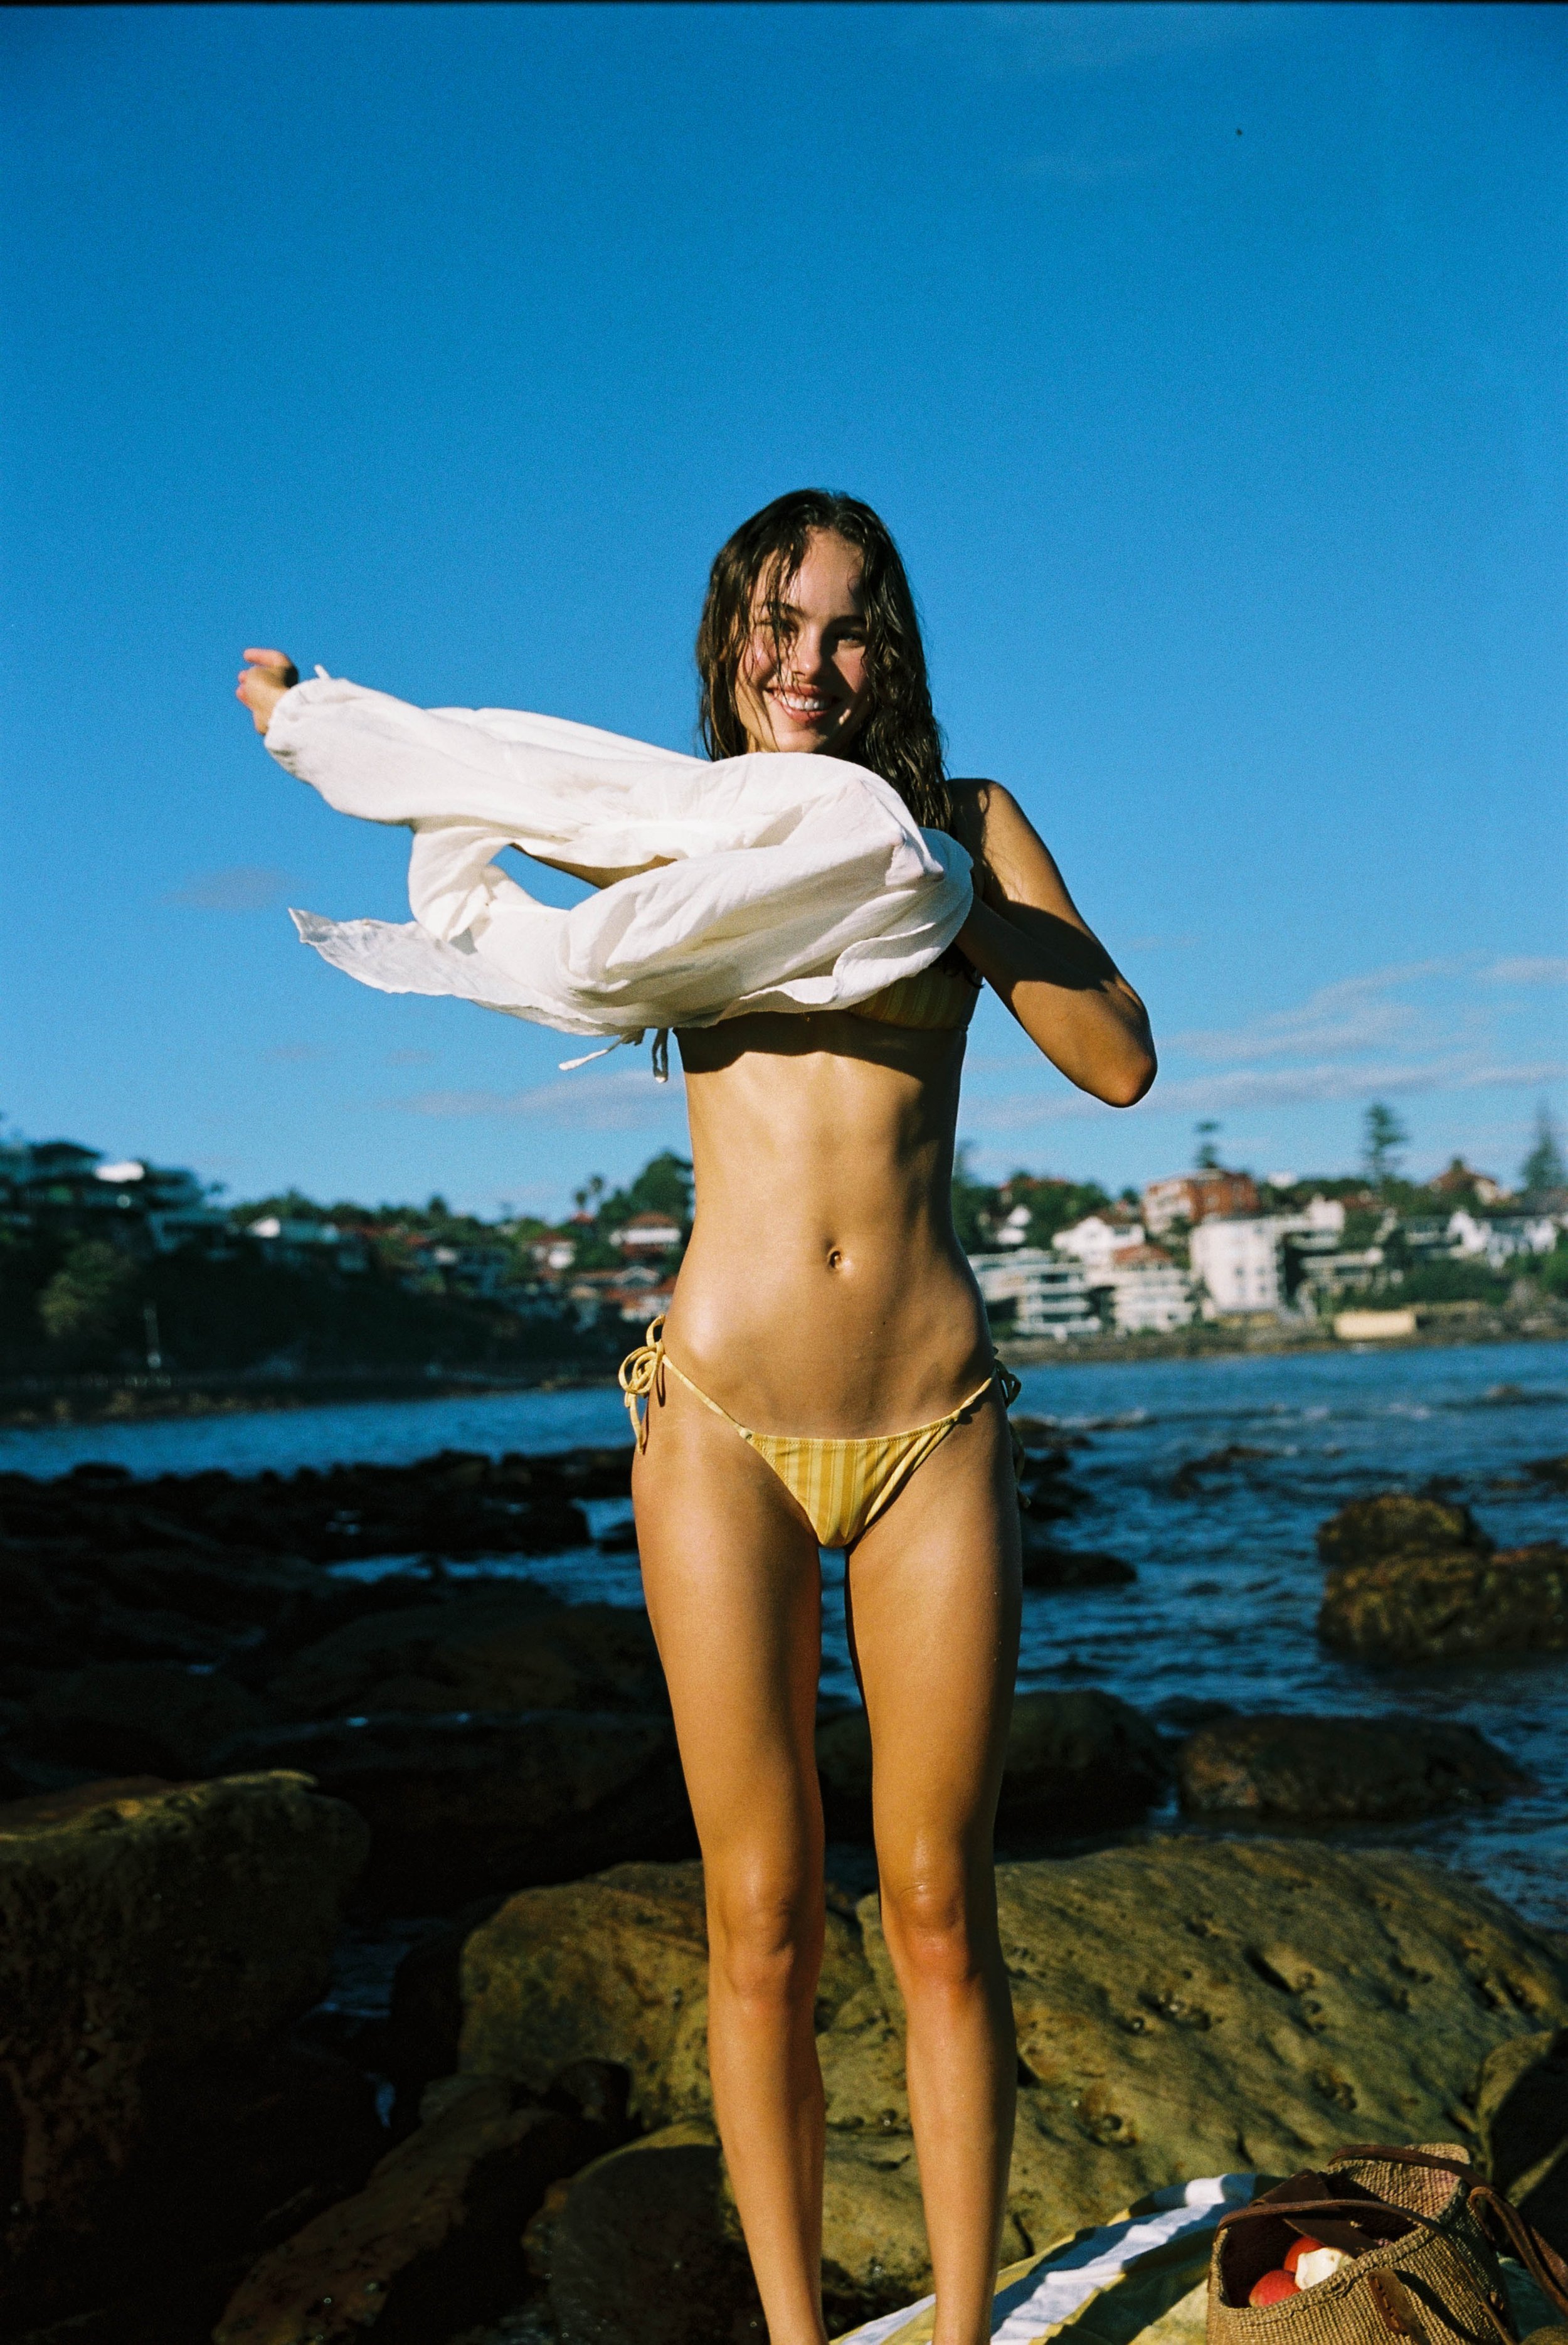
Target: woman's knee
x=940 y=1928
x=766 y=1939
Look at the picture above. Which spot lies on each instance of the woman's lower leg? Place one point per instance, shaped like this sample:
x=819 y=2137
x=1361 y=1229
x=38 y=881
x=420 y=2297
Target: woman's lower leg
x=764 y=1960
x=961 y=2061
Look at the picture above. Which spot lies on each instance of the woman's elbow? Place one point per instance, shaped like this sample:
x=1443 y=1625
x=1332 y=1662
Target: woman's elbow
x=1125 y=1083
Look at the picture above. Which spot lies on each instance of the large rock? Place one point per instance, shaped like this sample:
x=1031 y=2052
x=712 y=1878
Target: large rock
x=1326 y=1770
x=1076 y=1759
x=464 y=1805
x=1187 y=2007
x=1193 y=2007
x=1047 y=1566
x=1396 y=1522
x=433 y=2239
x=155 y=1939
x=614 y=1969
x=611 y=2239
x=643 y=2247
x=1521 y=2109
x=499 y=1649
x=135 y=1717
x=1461 y=1606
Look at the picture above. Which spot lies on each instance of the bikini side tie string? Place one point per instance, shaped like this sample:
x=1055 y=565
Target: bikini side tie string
x=638 y=1376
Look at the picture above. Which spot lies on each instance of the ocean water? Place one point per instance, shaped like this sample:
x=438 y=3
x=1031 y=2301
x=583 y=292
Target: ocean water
x=1228 y=1581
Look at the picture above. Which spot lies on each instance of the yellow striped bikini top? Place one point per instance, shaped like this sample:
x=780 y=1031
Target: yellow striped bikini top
x=936 y=999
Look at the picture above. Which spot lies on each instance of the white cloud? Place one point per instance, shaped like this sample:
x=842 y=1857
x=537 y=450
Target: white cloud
x=1542 y=969
x=1277 y=1087
x=1358 y=1013
x=242 y=887
x=612 y=1101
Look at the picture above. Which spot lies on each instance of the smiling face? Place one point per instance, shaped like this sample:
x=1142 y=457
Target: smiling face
x=804 y=680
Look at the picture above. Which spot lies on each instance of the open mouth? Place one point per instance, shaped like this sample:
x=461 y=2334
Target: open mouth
x=802 y=706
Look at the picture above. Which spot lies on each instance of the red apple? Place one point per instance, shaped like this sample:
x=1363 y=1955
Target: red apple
x=1273 y=2289
x=1293 y=2254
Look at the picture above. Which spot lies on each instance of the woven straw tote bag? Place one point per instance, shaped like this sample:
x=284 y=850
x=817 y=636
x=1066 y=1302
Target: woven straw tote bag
x=1421 y=2231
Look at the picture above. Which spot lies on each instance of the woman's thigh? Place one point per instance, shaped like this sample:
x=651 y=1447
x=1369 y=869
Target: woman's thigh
x=933 y=1588
x=734 y=1585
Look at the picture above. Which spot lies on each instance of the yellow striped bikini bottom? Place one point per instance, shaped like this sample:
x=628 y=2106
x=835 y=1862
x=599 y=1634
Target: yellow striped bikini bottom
x=842 y=1485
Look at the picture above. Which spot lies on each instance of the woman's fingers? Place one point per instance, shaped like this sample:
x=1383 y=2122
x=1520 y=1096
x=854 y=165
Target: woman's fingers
x=269 y=659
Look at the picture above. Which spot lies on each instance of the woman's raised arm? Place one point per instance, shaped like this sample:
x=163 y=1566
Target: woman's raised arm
x=263 y=684
x=1028 y=938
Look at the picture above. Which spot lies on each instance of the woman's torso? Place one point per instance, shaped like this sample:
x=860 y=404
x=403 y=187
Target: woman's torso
x=823 y=1291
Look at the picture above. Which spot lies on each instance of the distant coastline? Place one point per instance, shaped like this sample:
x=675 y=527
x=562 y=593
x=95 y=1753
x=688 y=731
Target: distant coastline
x=39 y=1401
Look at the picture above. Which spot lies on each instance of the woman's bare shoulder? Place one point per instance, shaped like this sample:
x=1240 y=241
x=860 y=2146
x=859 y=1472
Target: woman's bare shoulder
x=985 y=808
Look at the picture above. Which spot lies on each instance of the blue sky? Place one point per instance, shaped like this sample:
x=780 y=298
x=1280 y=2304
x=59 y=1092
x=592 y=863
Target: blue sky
x=1209 y=364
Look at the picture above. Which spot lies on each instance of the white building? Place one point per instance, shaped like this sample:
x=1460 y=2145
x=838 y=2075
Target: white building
x=1239 y=1262
x=1500 y=1240
x=1147 y=1293
x=1095 y=1243
x=1051 y=1296
x=647 y=1234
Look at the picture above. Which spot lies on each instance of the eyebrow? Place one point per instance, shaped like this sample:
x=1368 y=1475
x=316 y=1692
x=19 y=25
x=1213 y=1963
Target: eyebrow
x=793 y=611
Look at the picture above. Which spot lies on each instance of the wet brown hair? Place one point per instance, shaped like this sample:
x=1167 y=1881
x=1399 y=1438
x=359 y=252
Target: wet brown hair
x=900 y=738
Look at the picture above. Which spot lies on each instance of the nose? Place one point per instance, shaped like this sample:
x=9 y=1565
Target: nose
x=808 y=658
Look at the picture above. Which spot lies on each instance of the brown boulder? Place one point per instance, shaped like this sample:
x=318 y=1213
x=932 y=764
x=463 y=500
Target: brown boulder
x=1463 y=1606
x=1521 y=2109
x=499 y=1649
x=1047 y=1566
x=154 y=1942
x=1323 y=1769
x=1396 y=1522
x=643 y=2248
x=132 y=1718
x=464 y=1806
x=1076 y=1759
x=1199 y=2006
x=432 y=2242
x=614 y=1969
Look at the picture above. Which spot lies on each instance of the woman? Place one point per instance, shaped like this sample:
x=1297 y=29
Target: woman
x=825 y=1301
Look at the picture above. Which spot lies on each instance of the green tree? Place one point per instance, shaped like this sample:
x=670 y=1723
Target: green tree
x=974 y=1205
x=1207 y=1159
x=1383 y=1140
x=84 y=1306
x=1544 y=1169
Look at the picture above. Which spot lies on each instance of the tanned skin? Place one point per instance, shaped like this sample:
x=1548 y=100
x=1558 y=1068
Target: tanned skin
x=825 y=1291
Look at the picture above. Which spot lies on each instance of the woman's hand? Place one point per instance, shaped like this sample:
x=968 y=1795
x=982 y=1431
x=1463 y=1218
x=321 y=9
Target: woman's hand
x=263 y=684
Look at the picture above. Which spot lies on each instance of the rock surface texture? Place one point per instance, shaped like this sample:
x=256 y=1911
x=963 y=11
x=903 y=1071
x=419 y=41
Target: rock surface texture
x=1521 y=2109
x=514 y=1647
x=1461 y=1606
x=1396 y=1522
x=466 y=1804
x=155 y=1939
x=1328 y=1769
x=432 y=2242
x=1187 y=2007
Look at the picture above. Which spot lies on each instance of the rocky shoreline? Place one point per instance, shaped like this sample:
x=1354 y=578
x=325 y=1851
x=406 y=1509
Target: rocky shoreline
x=217 y=1749
x=27 y=1403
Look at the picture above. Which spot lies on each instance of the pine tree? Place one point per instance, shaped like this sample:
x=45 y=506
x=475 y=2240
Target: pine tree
x=1384 y=1140
x=1544 y=1169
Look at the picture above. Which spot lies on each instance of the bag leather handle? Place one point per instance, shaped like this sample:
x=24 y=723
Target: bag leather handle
x=1387 y=2157
x=1279 y=2209
x=1540 y=2259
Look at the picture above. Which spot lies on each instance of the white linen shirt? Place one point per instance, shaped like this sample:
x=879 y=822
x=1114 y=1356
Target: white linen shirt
x=768 y=882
